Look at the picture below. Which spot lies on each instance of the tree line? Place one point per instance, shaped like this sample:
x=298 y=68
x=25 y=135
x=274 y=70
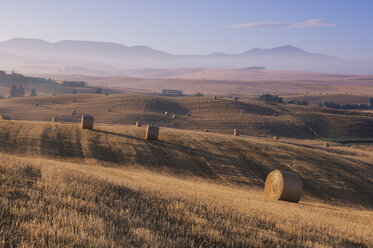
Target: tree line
x=20 y=92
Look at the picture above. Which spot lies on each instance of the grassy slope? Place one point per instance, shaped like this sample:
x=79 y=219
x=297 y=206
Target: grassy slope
x=46 y=203
x=108 y=187
x=222 y=115
x=340 y=174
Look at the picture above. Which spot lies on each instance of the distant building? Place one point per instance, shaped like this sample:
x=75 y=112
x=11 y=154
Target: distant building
x=172 y=92
x=79 y=84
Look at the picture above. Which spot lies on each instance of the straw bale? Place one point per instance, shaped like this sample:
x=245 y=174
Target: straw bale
x=284 y=186
x=152 y=132
x=235 y=132
x=87 y=122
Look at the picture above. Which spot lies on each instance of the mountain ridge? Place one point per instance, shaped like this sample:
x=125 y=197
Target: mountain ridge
x=95 y=55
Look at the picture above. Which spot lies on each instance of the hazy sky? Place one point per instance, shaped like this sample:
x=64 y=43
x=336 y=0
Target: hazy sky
x=342 y=28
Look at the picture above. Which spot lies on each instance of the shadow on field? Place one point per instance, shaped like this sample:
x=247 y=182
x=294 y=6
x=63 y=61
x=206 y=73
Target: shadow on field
x=61 y=142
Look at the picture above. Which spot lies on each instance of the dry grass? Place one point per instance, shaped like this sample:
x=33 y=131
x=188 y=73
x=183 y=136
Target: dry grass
x=109 y=187
x=46 y=203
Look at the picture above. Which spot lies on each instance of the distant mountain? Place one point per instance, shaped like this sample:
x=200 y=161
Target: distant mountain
x=38 y=55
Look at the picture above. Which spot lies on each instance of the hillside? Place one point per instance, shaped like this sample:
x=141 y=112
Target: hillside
x=196 y=113
x=43 y=86
x=109 y=187
x=222 y=158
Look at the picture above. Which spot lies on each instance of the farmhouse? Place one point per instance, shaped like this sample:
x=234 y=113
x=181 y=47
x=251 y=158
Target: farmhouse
x=172 y=92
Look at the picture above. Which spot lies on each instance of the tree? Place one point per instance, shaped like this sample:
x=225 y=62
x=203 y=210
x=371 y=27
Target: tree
x=20 y=90
x=33 y=92
x=98 y=91
x=13 y=91
x=371 y=103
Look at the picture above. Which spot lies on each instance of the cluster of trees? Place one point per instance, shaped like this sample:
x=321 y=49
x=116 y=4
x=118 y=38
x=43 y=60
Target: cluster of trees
x=198 y=94
x=345 y=106
x=19 y=91
x=270 y=98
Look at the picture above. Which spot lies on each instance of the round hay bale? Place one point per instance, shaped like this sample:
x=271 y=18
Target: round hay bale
x=235 y=132
x=283 y=186
x=166 y=113
x=152 y=132
x=214 y=97
x=87 y=122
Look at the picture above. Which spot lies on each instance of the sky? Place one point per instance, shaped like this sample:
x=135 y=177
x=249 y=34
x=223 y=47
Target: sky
x=342 y=28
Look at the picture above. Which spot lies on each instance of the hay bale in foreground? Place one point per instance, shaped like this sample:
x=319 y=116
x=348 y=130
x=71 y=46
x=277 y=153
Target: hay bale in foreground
x=283 y=186
x=87 y=122
x=152 y=132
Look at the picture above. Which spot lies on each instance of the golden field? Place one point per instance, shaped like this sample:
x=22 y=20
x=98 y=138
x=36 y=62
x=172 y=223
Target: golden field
x=107 y=187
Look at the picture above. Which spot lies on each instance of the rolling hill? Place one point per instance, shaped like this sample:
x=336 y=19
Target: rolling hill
x=251 y=117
